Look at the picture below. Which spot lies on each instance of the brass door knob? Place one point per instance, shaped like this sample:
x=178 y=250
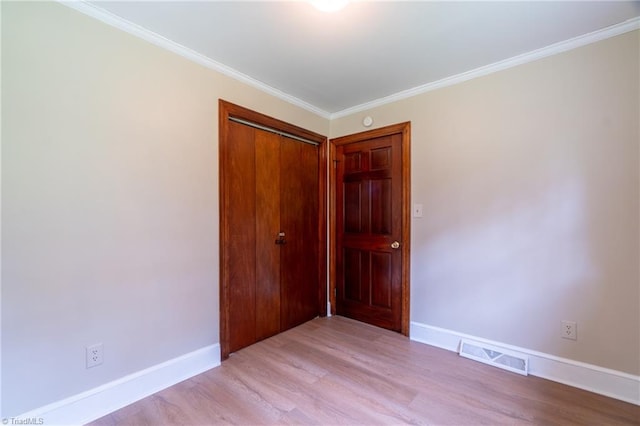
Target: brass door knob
x=395 y=245
x=281 y=240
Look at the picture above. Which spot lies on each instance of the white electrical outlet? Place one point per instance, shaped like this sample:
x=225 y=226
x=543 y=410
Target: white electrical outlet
x=569 y=330
x=94 y=355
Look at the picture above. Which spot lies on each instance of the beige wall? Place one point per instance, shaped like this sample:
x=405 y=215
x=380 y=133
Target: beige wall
x=529 y=180
x=110 y=201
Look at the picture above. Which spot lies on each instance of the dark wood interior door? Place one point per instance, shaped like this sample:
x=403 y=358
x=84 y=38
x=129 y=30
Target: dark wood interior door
x=267 y=224
x=239 y=262
x=299 y=222
x=252 y=258
x=370 y=229
x=272 y=225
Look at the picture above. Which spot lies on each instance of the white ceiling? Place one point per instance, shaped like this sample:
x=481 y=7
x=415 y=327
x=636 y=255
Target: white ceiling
x=369 y=50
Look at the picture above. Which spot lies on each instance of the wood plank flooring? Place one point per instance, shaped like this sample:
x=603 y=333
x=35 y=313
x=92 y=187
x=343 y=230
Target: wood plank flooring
x=335 y=371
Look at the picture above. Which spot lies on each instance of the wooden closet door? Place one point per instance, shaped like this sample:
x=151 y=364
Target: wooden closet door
x=267 y=220
x=269 y=184
x=299 y=220
x=254 y=222
x=239 y=253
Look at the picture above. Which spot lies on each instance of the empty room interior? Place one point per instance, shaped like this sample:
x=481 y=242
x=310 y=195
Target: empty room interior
x=267 y=213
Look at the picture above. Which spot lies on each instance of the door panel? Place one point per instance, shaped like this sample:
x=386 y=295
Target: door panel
x=267 y=165
x=381 y=158
x=353 y=212
x=238 y=261
x=381 y=201
x=369 y=218
x=299 y=221
x=381 y=279
x=353 y=268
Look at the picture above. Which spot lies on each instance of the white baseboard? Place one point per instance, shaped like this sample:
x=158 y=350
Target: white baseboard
x=604 y=381
x=95 y=403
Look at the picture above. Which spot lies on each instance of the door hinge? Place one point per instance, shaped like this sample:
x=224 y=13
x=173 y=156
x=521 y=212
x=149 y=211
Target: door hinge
x=335 y=163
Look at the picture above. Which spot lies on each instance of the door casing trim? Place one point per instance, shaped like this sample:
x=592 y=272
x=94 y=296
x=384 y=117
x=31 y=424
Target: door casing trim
x=405 y=130
x=225 y=111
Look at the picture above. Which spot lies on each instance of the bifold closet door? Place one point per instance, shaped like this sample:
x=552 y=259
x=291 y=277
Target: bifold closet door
x=299 y=221
x=267 y=216
x=273 y=279
x=253 y=258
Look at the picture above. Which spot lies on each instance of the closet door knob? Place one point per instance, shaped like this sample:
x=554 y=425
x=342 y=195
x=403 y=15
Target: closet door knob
x=395 y=245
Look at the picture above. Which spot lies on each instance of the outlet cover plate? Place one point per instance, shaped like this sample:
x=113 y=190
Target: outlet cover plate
x=95 y=355
x=569 y=330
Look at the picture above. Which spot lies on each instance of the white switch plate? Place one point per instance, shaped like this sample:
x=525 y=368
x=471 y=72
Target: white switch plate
x=417 y=210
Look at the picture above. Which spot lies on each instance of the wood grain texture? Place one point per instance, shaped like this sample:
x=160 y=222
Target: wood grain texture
x=247 y=276
x=332 y=371
x=240 y=263
x=369 y=201
x=267 y=216
x=379 y=162
x=299 y=219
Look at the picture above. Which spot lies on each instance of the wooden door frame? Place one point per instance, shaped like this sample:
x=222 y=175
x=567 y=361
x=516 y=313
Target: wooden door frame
x=227 y=110
x=404 y=129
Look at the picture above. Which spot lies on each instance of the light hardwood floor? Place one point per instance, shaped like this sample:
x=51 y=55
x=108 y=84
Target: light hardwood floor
x=335 y=370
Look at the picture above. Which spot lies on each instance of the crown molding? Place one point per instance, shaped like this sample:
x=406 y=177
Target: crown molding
x=563 y=46
x=141 y=32
x=154 y=38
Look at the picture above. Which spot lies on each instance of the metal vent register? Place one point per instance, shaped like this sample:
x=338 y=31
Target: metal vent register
x=498 y=357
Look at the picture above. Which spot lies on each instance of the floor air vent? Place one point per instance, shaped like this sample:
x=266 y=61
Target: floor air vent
x=498 y=357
